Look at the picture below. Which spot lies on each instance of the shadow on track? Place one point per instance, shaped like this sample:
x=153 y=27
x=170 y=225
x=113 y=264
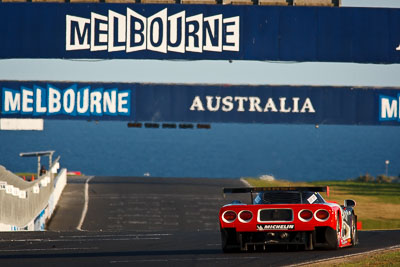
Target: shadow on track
x=113 y=254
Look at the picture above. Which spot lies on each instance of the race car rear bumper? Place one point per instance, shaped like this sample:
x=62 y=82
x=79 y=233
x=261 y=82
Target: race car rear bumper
x=262 y=239
x=255 y=240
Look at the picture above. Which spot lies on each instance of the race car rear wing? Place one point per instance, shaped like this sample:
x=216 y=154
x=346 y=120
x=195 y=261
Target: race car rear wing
x=252 y=190
x=277 y=188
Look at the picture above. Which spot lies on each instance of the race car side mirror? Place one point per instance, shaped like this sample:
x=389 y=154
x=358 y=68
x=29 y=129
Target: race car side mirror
x=349 y=203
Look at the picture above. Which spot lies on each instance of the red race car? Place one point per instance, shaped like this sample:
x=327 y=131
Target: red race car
x=286 y=216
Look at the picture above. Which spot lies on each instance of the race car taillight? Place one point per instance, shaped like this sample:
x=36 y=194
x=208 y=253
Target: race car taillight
x=245 y=216
x=321 y=215
x=305 y=215
x=229 y=216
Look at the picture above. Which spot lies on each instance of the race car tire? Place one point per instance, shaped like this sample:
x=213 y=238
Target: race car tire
x=332 y=236
x=354 y=232
x=228 y=240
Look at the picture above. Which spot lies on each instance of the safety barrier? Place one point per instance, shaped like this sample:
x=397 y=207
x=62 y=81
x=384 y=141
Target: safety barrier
x=27 y=206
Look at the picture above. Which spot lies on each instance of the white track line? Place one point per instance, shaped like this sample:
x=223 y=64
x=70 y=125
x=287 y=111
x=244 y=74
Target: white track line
x=185 y=259
x=45 y=249
x=86 y=205
x=116 y=235
x=87 y=239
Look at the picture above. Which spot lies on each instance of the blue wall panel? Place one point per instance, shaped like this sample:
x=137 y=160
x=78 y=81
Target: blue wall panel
x=276 y=33
x=200 y=103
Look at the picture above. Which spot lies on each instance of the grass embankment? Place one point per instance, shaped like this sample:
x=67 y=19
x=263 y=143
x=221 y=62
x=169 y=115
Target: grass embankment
x=378 y=205
x=389 y=258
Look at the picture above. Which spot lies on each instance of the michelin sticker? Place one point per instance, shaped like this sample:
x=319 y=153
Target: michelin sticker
x=264 y=227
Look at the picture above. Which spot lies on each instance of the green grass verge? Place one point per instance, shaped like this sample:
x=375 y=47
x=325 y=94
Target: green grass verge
x=380 y=224
x=389 y=258
x=25 y=173
x=28 y=175
x=385 y=193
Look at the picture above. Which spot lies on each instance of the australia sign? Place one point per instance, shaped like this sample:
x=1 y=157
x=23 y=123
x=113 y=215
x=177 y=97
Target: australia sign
x=146 y=102
x=199 y=32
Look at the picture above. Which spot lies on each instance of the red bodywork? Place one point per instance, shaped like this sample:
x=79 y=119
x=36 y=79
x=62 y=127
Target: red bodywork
x=300 y=225
x=309 y=230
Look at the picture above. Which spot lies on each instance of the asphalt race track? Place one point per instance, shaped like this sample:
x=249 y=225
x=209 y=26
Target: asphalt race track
x=152 y=222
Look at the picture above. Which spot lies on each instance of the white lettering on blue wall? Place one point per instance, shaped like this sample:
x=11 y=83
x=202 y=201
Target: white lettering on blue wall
x=72 y=101
x=389 y=108
x=160 y=33
x=252 y=104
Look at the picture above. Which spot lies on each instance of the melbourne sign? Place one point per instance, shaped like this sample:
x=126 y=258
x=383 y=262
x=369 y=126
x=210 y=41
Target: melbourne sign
x=389 y=108
x=200 y=32
x=146 y=102
x=131 y=32
x=32 y=100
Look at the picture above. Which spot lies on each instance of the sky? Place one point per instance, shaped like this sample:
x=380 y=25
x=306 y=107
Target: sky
x=237 y=72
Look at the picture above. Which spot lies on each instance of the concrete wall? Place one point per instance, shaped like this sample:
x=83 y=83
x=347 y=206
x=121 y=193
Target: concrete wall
x=28 y=205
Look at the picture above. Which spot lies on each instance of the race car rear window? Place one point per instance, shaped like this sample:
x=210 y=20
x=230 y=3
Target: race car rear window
x=288 y=197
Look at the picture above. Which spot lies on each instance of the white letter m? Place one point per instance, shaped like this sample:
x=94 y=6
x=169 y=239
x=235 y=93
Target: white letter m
x=77 y=33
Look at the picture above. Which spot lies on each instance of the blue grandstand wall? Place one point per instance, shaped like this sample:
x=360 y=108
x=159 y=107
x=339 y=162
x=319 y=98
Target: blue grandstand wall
x=148 y=102
x=199 y=32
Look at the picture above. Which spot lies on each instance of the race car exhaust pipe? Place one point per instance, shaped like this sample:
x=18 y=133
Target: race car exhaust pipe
x=283 y=235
